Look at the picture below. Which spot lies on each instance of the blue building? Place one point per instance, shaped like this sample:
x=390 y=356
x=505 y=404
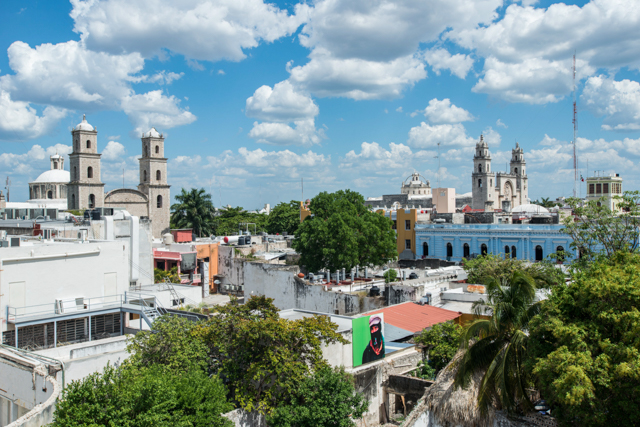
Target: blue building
x=453 y=242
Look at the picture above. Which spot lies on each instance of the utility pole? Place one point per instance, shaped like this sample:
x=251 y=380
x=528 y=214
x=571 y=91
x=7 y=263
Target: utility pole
x=438 y=172
x=575 y=131
x=8 y=183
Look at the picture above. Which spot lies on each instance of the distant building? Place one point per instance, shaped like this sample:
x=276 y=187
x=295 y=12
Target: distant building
x=498 y=190
x=444 y=200
x=608 y=187
x=50 y=188
x=416 y=184
x=86 y=190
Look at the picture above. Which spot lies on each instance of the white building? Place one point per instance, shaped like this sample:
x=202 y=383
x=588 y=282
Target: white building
x=607 y=187
x=50 y=188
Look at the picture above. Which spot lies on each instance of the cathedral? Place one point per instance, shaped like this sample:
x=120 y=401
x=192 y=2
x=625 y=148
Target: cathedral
x=86 y=191
x=491 y=191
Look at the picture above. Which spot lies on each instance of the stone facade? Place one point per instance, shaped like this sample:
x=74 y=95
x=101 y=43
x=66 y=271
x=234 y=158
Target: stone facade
x=136 y=202
x=500 y=190
x=85 y=190
x=153 y=181
x=416 y=185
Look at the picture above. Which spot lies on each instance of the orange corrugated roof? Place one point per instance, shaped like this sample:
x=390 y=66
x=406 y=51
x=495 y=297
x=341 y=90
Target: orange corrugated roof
x=415 y=317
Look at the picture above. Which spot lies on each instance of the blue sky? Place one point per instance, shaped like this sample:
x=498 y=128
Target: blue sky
x=254 y=96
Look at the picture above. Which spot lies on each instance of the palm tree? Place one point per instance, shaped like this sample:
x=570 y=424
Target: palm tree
x=194 y=210
x=497 y=346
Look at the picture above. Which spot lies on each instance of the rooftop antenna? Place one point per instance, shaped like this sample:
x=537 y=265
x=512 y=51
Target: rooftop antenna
x=122 y=177
x=8 y=182
x=438 y=172
x=575 y=131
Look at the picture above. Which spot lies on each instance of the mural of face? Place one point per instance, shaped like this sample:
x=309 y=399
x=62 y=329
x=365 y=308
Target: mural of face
x=375 y=349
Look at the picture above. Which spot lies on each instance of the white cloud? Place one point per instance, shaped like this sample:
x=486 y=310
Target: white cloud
x=280 y=104
x=445 y=112
x=440 y=59
x=399 y=109
x=61 y=149
x=618 y=101
x=303 y=132
x=500 y=124
x=19 y=121
x=154 y=109
x=113 y=151
x=373 y=156
x=200 y=30
x=355 y=78
x=163 y=77
x=427 y=136
x=492 y=137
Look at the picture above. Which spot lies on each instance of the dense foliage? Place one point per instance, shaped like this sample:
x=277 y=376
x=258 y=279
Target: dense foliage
x=325 y=399
x=440 y=343
x=497 y=347
x=284 y=218
x=343 y=233
x=488 y=267
x=598 y=232
x=390 y=275
x=194 y=210
x=159 y=276
x=231 y=220
x=585 y=345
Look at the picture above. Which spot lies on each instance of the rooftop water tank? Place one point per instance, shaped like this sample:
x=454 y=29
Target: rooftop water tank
x=167 y=238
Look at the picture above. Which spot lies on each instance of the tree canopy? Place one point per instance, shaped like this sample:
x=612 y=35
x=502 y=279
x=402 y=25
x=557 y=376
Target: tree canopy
x=486 y=268
x=597 y=232
x=343 y=233
x=284 y=218
x=194 y=210
x=230 y=220
x=585 y=346
x=440 y=343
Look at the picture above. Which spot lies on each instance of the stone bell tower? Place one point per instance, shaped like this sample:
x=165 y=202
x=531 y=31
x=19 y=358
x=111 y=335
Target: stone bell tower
x=153 y=181
x=85 y=190
x=482 y=187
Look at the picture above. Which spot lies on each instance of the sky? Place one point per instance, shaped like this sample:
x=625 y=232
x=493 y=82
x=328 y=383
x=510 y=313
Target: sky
x=253 y=97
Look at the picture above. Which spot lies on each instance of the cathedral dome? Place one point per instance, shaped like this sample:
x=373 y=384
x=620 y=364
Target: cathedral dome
x=84 y=125
x=153 y=133
x=53 y=176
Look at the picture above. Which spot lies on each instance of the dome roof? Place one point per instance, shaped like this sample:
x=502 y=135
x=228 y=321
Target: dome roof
x=53 y=176
x=84 y=125
x=153 y=133
x=530 y=209
x=56 y=156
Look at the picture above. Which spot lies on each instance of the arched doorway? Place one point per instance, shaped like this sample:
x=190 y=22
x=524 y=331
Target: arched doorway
x=513 y=252
x=425 y=249
x=507 y=252
x=539 y=253
x=483 y=249
x=449 y=249
x=560 y=253
x=465 y=250
x=159 y=202
x=89 y=172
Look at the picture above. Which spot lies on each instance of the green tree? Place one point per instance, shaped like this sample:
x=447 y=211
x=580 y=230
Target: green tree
x=160 y=275
x=327 y=398
x=596 y=231
x=440 y=343
x=143 y=396
x=194 y=210
x=343 y=233
x=261 y=357
x=231 y=220
x=284 y=218
x=585 y=345
x=497 y=347
x=390 y=275
x=484 y=269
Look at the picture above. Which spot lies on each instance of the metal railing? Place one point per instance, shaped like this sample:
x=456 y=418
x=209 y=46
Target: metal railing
x=64 y=307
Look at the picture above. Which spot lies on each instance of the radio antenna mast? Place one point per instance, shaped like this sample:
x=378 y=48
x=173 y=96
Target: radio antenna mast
x=438 y=172
x=575 y=131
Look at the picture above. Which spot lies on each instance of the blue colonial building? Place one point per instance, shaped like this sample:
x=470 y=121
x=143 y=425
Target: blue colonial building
x=532 y=242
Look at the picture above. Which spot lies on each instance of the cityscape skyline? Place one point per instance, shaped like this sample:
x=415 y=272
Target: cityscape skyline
x=252 y=96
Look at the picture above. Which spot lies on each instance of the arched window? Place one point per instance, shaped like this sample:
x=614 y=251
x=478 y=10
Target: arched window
x=479 y=183
x=465 y=250
x=159 y=201
x=146 y=150
x=88 y=143
x=75 y=173
x=89 y=172
x=483 y=249
x=490 y=183
x=539 y=253
x=144 y=176
x=158 y=175
x=513 y=252
x=157 y=149
x=560 y=253
x=516 y=171
x=49 y=194
x=55 y=165
x=425 y=249
x=507 y=252
x=73 y=202
x=449 y=249
x=479 y=168
x=92 y=201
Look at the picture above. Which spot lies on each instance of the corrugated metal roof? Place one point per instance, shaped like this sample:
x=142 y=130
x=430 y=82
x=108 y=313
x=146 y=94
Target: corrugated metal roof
x=415 y=317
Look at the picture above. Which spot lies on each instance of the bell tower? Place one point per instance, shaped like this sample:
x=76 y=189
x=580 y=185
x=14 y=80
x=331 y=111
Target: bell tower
x=153 y=181
x=482 y=187
x=85 y=190
x=518 y=166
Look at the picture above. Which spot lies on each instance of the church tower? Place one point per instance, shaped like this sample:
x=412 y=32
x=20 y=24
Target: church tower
x=153 y=180
x=85 y=190
x=482 y=177
x=518 y=166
